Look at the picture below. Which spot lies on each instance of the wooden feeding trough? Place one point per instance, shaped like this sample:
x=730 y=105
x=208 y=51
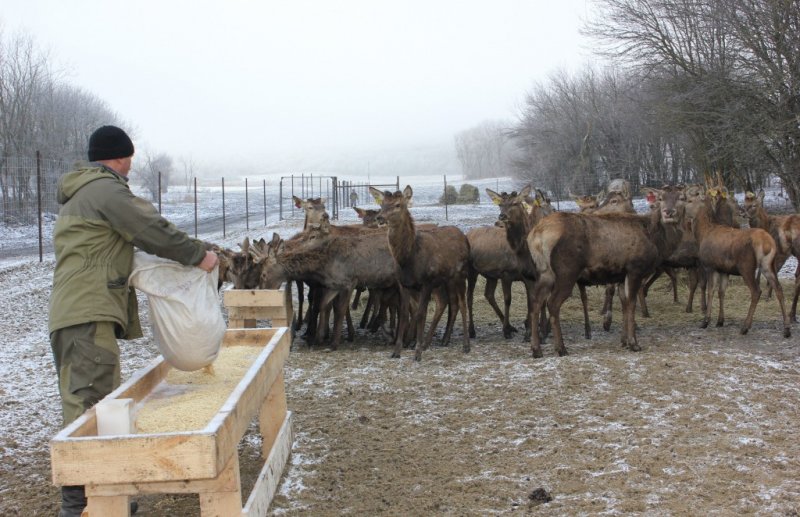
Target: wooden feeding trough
x=202 y=461
x=246 y=306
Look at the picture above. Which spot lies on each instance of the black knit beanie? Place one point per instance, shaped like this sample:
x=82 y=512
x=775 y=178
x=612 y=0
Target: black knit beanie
x=109 y=142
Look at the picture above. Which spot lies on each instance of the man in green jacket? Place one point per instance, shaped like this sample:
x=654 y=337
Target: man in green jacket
x=92 y=305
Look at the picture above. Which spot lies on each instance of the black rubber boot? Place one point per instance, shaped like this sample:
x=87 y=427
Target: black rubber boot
x=73 y=501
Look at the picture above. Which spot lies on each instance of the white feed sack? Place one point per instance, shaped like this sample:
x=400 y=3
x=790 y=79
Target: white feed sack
x=187 y=319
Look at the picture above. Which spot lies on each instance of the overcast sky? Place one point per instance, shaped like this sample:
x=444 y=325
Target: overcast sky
x=246 y=80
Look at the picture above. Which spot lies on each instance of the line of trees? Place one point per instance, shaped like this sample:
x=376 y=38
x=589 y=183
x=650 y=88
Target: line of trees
x=697 y=89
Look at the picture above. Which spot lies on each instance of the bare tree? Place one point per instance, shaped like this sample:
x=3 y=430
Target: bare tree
x=151 y=168
x=483 y=150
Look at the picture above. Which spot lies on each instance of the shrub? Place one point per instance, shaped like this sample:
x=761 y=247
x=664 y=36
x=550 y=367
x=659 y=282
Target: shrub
x=450 y=196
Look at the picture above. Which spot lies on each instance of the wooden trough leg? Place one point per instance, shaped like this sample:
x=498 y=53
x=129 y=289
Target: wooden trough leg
x=272 y=414
x=228 y=501
x=111 y=506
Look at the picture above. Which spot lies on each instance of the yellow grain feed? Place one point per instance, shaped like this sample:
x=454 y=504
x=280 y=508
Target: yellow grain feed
x=186 y=401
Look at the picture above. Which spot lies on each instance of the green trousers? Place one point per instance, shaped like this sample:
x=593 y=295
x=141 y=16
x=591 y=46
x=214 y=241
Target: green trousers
x=87 y=362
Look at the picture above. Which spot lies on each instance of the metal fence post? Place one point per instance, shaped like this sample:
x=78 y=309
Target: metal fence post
x=195 y=207
x=246 y=207
x=159 y=192
x=223 y=207
x=265 y=202
x=39 y=202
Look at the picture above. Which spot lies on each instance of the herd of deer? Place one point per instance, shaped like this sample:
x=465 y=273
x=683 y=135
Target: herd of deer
x=402 y=265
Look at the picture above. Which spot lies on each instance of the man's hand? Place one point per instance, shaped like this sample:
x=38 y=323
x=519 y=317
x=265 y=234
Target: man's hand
x=209 y=261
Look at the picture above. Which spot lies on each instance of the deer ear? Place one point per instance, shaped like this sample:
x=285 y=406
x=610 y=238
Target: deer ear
x=359 y=211
x=408 y=192
x=297 y=201
x=494 y=196
x=525 y=191
x=377 y=194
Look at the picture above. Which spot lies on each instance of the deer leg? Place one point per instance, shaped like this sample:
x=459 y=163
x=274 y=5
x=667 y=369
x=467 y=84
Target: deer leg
x=608 y=305
x=420 y=316
x=693 y=274
x=472 y=278
x=461 y=296
x=440 y=296
x=646 y=289
x=796 y=293
x=708 y=295
x=369 y=308
x=357 y=298
x=298 y=323
x=632 y=287
x=326 y=306
x=488 y=293
x=673 y=278
x=538 y=294
x=554 y=302
x=587 y=328
x=351 y=331
x=402 y=322
x=772 y=279
x=723 y=286
x=508 y=328
x=341 y=310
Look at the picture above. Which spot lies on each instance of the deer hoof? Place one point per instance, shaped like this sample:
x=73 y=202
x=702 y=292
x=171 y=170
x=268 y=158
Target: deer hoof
x=537 y=354
x=722 y=323
x=787 y=332
x=562 y=352
x=466 y=348
x=418 y=356
x=395 y=355
x=743 y=331
x=635 y=347
x=472 y=333
x=704 y=324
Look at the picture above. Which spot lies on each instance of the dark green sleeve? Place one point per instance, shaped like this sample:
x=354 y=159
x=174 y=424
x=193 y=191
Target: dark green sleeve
x=139 y=222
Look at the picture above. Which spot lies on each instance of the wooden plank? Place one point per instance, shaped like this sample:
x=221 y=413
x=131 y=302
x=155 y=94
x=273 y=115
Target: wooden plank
x=161 y=457
x=253 y=298
x=272 y=414
x=225 y=482
x=232 y=420
x=269 y=478
x=224 y=504
x=248 y=337
x=108 y=507
x=258 y=313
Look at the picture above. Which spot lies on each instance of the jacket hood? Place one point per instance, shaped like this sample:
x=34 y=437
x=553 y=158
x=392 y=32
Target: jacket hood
x=72 y=182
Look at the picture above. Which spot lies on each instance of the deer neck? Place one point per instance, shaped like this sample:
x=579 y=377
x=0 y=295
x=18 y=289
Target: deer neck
x=702 y=224
x=760 y=219
x=402 y=239
x=516 y=232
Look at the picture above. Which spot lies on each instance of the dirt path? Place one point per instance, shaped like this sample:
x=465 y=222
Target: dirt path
x=700 y=422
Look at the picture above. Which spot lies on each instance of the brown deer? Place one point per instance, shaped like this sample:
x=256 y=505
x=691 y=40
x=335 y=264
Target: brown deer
x=492 y=257
x=569 y=248
x=337 y=263
x=425 y=260
x=724 y=251
x=243 y=271
x=785 y=229
x=519 y=213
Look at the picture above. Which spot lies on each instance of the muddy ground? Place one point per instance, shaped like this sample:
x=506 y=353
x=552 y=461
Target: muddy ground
x=701 y=422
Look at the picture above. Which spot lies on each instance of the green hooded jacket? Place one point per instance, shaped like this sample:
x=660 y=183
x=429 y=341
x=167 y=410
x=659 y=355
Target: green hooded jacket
x=97 y=228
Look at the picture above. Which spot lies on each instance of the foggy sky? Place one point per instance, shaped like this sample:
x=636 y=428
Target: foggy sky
x=248 y=81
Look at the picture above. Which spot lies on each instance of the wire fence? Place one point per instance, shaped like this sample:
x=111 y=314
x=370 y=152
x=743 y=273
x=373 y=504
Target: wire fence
x=28 y=186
